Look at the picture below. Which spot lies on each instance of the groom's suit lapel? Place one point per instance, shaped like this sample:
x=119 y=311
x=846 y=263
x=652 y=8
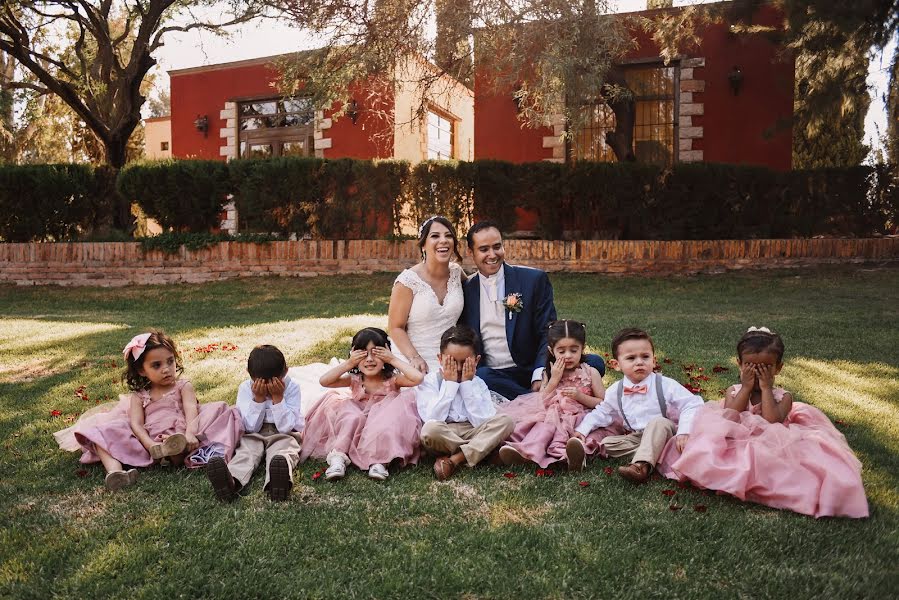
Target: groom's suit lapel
x=512 y=287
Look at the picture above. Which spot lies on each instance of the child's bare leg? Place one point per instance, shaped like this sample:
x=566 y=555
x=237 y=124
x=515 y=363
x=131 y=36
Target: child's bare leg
x=109 y=463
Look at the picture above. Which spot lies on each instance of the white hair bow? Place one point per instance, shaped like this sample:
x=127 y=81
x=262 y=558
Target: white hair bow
x=761 y=329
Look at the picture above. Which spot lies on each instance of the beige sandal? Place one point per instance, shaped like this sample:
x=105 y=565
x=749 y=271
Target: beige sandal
x=116 y=480
x=173 y=445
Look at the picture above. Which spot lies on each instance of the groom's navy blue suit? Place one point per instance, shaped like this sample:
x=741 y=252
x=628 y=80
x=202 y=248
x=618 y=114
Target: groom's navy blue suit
x=525 y=330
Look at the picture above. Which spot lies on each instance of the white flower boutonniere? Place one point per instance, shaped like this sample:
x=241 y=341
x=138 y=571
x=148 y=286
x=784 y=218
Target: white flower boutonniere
x=513 y=303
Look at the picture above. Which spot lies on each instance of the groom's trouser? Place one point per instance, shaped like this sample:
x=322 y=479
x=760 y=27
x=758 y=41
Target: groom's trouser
x=515 y=381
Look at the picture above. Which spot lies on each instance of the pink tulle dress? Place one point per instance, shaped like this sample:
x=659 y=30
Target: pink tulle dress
x=803 y=464
x=544 y=425
x=369 y=428
x=217 y=423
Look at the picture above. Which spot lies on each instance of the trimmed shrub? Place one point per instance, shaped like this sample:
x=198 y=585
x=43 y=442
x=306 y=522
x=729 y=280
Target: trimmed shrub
x=49 y=202
x=276 y=195
x=185 y=195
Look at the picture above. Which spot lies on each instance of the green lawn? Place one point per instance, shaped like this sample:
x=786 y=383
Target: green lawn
x=480 y=534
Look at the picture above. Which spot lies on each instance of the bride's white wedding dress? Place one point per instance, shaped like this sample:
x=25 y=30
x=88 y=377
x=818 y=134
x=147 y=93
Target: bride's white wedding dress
x=428 y=318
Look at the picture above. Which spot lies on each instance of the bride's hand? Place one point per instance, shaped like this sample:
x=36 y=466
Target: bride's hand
x=420 y=364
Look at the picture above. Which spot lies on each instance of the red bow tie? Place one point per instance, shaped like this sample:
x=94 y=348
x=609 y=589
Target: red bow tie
x=637 y=389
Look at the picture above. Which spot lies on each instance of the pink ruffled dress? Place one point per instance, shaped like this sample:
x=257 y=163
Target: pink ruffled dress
x=217 y=423
x=544 y=425
x=803 y=464
x=369 y=428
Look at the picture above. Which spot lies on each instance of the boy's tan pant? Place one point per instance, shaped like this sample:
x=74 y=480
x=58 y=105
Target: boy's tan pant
x=648 y=443
x=474 y=442
x=267 y=442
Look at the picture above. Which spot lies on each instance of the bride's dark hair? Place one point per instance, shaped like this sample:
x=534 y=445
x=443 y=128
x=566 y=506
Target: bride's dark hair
x=425 y=230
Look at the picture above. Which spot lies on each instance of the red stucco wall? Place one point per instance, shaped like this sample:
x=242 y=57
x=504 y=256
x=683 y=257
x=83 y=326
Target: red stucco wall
x=205 y=91
x=749 y=128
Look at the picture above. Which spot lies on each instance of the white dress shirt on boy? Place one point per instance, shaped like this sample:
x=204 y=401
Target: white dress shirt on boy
x=454 y=402
x=285 y=415
x=641 y=408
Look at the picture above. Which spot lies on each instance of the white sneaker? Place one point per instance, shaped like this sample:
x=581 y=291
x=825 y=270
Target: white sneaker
x=337 y=462
x=379 y=472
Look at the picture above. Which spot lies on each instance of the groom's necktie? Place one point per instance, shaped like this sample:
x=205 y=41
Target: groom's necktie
x=490 y=286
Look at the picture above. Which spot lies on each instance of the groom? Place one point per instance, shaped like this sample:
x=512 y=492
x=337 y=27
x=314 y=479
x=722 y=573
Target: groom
x=510 y=307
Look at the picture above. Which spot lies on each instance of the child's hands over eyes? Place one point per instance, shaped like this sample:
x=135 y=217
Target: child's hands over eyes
x=468 y=369
x=357 y=356
x=557 y=370
x=450 y=368
x=276 y=389
x=765 y=374
x=747 y=375
x=260 y=389
x=383 y=354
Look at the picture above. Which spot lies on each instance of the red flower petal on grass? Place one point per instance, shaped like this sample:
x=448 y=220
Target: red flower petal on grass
x=70 y=419
x=701 y=508
x=510 y=475
x=317 y=475
x=669 y=493
x=667 y=361
x=544 y=473
x=719 y=369
x=607 y=470
x=583 y=483
x=657 y=369
x=55 y=413
x=674 y=507
x=840 y=422
x=81 y=472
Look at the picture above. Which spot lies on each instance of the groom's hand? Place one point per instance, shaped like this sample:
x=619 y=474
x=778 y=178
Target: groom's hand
x=536 y=385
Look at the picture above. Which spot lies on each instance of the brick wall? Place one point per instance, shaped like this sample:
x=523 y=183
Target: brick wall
x=124 y=263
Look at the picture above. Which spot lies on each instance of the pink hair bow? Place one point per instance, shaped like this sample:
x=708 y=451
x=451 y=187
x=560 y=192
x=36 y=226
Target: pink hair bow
x=136 y=346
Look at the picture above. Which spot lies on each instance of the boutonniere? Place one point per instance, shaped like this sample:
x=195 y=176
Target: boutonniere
x=513 y=303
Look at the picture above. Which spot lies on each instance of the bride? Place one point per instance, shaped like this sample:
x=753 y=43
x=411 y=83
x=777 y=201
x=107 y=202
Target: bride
x=427 y=298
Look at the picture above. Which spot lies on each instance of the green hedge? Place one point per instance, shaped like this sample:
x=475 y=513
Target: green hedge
x=357 y=199
x=185 y=195
x=49 y=202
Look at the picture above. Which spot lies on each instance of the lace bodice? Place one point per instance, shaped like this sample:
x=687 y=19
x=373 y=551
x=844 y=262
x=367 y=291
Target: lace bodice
x=428 y=319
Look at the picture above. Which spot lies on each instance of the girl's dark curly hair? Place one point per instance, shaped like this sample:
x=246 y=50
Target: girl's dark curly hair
x=376 y=336
x=561 y=329
x=158 y=339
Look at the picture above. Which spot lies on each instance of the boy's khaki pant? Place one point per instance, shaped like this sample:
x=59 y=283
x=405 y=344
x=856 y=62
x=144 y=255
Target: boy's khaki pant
x=474 y=442
x=648 y=443
x=267 y=442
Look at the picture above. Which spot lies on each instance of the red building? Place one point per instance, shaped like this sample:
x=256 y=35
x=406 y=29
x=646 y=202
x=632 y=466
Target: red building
x=729 y=100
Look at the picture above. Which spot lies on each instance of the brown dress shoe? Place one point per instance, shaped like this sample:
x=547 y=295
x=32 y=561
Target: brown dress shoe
x=635 y=472
x=223 y=483
x=444 y=468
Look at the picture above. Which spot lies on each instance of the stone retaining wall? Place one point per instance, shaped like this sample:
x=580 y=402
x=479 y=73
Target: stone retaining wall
x=125 y=263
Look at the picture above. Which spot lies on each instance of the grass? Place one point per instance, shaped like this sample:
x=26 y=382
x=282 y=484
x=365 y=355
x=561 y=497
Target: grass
x=478 y=535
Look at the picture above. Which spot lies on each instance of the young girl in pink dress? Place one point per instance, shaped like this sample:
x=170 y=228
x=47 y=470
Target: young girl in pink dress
x=375 y=423
x=546 y=420
x=159 y=421
x=761 y=446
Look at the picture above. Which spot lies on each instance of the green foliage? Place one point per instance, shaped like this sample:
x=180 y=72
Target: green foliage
x=441 y=187
x=49 y=202
x=344 y=198
x=171 y=242
x=185 y=195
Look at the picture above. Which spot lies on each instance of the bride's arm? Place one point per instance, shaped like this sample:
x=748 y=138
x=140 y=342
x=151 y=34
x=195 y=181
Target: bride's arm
x=397 y=317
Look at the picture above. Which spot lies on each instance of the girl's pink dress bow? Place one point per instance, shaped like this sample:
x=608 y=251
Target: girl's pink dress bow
x=136 y=346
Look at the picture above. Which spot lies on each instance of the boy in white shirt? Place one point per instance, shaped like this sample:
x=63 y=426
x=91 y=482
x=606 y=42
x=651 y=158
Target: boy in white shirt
x=654 y=408
x=269 y=403
x=460 y=420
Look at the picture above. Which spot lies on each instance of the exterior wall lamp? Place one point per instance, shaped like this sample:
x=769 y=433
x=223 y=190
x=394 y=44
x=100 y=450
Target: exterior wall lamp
x=202 y=124
x=353 y=110
x=735 y=78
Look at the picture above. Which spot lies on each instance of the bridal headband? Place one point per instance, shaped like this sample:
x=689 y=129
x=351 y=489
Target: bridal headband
x=427 y=222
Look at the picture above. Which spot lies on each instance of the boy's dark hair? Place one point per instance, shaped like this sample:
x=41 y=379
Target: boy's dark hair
x=158 y=339
x=480 y=226
x=266 y=362
x=461 y=335
x=561 y=329
x=630 y=333
x=425 y=230
x=375 y=336
x=757 y=341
